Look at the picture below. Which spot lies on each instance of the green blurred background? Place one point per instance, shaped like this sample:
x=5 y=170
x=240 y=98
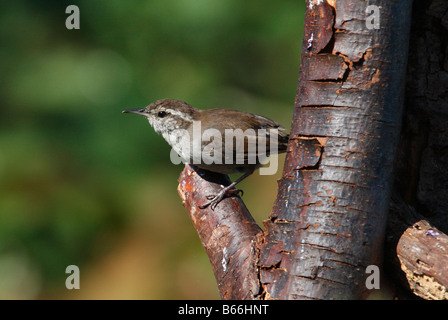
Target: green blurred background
x=83 y=184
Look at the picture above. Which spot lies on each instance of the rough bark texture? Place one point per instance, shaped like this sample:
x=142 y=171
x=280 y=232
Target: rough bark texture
x=422 y=175
x=421 y=179
x=329 y=219
x=228 y=233
x=423 y=253
x=416 y=253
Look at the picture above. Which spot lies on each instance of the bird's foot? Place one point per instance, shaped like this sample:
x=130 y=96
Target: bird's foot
x=215 y=199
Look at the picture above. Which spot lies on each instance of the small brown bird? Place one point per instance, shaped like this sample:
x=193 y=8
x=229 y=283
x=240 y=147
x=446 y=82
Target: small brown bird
x=218 y=140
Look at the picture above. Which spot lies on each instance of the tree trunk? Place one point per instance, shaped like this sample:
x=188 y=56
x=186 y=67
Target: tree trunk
x=329 y=219
x=328 y=222
x=422 y=175
x=421 y=180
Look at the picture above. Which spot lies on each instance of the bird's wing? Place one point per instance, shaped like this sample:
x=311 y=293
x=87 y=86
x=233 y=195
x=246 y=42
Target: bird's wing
x=247 y=136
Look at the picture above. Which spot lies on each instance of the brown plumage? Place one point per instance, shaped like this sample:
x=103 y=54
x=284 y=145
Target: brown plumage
x=230 y=141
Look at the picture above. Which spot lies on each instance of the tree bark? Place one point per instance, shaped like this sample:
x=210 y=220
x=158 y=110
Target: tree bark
x=423 y=254
x=416 y=253
x=228 y=234
x=329 y=218
x=421 y=176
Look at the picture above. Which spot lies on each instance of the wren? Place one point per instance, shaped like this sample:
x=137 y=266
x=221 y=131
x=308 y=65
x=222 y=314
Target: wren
x=218 y=140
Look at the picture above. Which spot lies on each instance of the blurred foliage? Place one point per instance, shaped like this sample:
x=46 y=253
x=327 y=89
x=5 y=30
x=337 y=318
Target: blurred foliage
x=82 y=183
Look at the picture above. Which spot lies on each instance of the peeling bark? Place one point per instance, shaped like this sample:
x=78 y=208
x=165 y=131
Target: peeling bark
x=423 y=253
x=228 y=234
x=329 y=218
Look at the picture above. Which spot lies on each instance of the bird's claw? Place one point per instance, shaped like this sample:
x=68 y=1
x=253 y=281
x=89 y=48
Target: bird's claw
x=215 y=199
x=210 y=196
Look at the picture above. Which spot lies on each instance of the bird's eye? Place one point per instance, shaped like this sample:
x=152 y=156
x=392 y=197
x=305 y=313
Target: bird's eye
x=161 y=114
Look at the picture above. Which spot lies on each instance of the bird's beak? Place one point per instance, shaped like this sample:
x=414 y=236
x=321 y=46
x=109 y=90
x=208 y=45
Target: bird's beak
x=136 y=111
